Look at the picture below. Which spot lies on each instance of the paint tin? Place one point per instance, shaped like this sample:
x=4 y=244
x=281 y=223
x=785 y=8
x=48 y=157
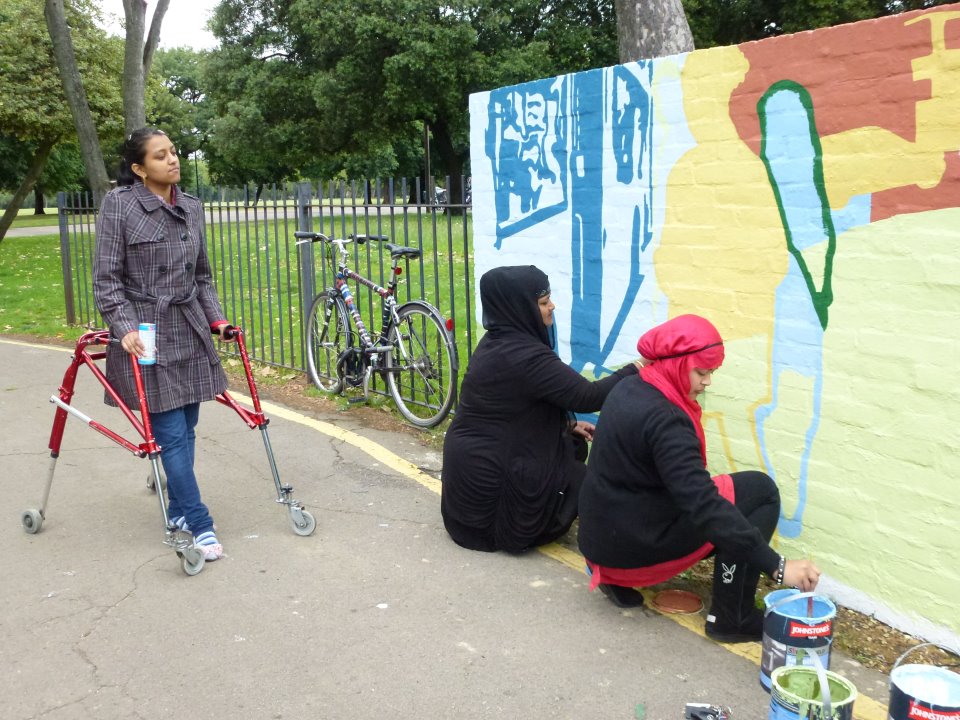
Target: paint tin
x=801 y=692
x=148 y=336
x=793 y=622
x=923 y=692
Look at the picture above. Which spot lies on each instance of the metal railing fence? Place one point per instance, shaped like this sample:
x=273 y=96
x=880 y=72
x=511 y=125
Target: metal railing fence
x=266 y=282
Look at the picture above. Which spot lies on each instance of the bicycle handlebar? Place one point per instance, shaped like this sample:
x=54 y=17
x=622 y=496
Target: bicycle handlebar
x=320 y=237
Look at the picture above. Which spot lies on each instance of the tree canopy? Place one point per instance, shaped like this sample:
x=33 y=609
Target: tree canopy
x=34 y=117
x=33 y=104
x=175 y=98
x=329 y=86
x=729 y=22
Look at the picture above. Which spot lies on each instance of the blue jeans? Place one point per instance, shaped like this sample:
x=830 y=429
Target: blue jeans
x=174 y=432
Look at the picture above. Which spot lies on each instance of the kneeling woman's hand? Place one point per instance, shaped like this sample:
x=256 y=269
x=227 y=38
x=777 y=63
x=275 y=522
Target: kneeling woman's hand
x=583 y=429
x=801 y=574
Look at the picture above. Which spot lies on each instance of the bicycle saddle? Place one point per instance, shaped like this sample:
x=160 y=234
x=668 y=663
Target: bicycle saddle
x=397 y=251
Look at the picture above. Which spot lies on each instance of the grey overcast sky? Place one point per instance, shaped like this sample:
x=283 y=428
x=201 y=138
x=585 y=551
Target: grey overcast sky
x=184 y=25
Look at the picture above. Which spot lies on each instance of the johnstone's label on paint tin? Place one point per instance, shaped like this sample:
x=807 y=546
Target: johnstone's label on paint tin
x=811 y=631
x=919 y=712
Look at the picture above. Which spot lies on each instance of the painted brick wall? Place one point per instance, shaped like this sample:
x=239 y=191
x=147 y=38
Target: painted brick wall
x=802 y=192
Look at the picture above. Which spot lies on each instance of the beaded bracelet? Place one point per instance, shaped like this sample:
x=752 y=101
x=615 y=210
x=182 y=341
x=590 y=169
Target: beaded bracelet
x=778 y=573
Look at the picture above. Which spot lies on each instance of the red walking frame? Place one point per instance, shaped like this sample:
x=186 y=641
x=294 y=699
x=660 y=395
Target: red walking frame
x=86 y=354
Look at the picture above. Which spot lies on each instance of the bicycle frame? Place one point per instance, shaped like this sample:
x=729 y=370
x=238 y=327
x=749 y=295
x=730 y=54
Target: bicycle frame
x=417 y=367
x=387 y=295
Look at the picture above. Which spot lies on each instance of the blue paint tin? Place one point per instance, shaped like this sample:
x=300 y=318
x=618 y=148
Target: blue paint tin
x=923 y=692
x=795 y=623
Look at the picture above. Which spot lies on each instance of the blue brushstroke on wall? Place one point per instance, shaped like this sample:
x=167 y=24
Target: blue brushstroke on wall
x=526 y=142
x=546 y=144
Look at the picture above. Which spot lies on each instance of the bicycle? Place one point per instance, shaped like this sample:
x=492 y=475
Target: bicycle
x=414 y=351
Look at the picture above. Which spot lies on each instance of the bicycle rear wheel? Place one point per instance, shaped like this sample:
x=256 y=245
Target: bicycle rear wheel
x=328 y=336
x=421 y=369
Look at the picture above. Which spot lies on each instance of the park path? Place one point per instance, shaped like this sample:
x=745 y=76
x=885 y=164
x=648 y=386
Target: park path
x=377 y=614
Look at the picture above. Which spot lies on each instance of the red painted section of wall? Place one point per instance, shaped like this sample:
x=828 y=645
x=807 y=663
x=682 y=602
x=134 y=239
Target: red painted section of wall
x=911 y=199
x=953 y=32
x=857 y=75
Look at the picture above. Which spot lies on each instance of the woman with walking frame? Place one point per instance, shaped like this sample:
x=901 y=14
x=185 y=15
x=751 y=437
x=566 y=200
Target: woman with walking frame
x=150 y=265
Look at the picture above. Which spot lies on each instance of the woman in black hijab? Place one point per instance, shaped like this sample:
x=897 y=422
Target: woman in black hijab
x=513 y=459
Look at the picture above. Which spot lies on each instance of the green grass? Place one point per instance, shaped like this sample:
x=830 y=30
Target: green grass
x=31 y=289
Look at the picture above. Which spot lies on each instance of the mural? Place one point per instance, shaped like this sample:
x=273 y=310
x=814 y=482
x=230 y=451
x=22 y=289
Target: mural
x=803 y=192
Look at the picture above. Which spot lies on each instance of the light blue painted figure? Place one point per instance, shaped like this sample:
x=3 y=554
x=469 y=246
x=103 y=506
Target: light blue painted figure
x=792 y=154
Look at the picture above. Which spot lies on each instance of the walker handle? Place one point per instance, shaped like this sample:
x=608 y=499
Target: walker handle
x=917 y=647
x=788 y=599
x=227 y=332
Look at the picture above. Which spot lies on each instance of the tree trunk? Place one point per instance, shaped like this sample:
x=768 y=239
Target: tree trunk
x=39 y=206
x=452 y=160
x=134 y=109
x=137 y=58
x=153 y=37
x=33 y=174
x=651 y=28
x=76 y=98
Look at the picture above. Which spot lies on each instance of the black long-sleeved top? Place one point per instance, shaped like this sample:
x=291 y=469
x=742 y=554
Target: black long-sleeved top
x=647 y=498
x=505 y=458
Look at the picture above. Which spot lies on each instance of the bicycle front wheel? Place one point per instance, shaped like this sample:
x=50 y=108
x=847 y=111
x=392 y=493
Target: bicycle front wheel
x=328 y=336
x=421 y=368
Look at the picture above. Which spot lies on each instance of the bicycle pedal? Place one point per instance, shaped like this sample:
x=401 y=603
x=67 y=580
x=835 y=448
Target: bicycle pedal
x=355 y=400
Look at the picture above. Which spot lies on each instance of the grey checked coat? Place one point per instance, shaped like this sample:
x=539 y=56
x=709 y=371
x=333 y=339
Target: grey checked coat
x=150 y=265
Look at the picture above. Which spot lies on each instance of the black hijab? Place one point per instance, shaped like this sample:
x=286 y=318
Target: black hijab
x=509 y=297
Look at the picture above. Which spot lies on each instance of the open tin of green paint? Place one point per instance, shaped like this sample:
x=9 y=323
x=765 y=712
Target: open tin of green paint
x=810 y=693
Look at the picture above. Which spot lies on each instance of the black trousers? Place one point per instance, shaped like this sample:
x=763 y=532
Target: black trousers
x=735 y=581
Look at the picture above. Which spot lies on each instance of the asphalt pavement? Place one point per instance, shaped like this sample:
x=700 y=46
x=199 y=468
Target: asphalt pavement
x=376 y=615
x=33 y=231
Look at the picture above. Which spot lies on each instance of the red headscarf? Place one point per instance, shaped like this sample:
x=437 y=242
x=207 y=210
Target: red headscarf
x=674 y=348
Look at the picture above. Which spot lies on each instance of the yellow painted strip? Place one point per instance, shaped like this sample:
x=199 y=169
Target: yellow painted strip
x=865 y=708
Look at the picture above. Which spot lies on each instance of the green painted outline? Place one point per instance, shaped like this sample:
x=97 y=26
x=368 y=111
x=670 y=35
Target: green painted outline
x=823 y=298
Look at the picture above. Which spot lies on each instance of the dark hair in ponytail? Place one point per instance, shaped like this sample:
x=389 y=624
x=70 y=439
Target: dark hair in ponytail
x=133 y=152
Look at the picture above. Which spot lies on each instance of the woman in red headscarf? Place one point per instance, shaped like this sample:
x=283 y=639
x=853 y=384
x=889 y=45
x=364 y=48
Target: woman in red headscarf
x=648 y=507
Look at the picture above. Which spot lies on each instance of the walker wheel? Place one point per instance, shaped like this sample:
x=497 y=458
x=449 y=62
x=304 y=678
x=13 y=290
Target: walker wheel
x=302 y=521
x=152 y=483
x=191 y=560
x=32 y=521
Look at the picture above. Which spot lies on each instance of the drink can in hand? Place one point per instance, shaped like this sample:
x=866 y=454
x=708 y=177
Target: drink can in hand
x=148 y=336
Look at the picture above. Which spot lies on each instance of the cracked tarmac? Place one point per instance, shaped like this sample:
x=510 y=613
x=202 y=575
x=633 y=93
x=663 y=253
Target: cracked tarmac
x=377 y=614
